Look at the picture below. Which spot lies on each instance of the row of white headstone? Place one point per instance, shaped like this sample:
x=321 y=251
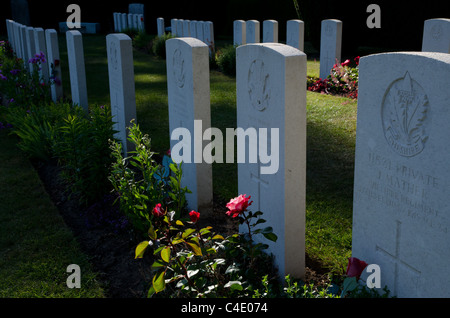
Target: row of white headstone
x=245 y=32
x=401 y=210
x=124 y=21
x=201 y=30
x=28 y=42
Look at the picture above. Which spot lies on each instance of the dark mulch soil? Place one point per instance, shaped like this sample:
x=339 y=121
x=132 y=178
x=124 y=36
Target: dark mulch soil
x=109 y=242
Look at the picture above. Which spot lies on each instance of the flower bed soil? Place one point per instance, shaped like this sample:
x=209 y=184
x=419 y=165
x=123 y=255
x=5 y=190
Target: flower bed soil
x=109 y=242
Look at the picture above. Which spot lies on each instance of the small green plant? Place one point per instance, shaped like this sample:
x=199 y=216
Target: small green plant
x=143 y=41
x=159 y=45
x=226 y=60
x=141 y=183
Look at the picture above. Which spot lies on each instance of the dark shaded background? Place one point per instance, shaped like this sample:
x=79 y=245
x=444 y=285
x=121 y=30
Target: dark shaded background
x=401 y=21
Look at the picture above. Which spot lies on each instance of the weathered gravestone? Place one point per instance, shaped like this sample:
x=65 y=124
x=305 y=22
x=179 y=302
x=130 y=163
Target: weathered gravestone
x=17 y=41
x=436 y=36
x=53 y=60
x=270 y=31
x=186 y=28
x=130 y=21
x=330 y=45
x=75 y=53
x=180 y=31
x=188 y=89
x=252 y=31
x=239 y=32
x=121 y=85
x=173 y=26
x=271 y=99
x=295 y=33
x=9 y=31
x=40 y=47
x=401 y=211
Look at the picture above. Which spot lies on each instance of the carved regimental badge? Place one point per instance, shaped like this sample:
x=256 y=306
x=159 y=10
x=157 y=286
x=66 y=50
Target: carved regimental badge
x=258 y=85
x=404 y=115
x=178 y=68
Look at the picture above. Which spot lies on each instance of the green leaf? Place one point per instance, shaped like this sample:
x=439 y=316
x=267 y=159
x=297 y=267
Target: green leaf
x=218 y=237
x=271 y=237
x=187 y=233
x=178 y=222
x=350 y=284
x=234 y=285
x=159 y=283
x=195 y=247
x=152 y=232
x=165 y=254
x=140 y=249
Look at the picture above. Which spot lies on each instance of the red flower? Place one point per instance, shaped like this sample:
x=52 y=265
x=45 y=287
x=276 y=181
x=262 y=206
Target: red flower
x=347 y=62
x=356 y=59
x=194 y=216
x=238 y=205
x=142 y=19
x=56 y=62
x=158 y=210
x=355 y=267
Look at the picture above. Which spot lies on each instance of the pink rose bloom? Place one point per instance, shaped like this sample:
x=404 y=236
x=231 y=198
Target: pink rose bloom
x=347 y=62
x=238 y=205
x=158 y=210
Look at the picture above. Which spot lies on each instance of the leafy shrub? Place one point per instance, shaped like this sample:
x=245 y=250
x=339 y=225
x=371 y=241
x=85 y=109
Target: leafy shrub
x=159 y=45
x=141 y=183
x=143 y=41
x=226 y=60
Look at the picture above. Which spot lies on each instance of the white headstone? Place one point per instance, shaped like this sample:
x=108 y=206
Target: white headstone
x=330 y=45
x=124 y=21
x=75 y=53
x=40 y=47
x=271 y=98
x=180 y=31
x=24 y=44
x=295 y=34
x=189 y=101
x=270 y=31
x=130 y=21
x=436 y=36
x=200 y=31
x=193 y=28
x=136 y=8
x=136 y=21
x=252 y=28
x=53 y=60
x=208 y=34
x=141 y=25
x=160 y=26
x=31 y=47
x=402 y=181
x=173 y=26
x=9 y=32
x=17 y=40
x=116 y=21
x=186 y=28
x=239 y=32
x=119 y=22
x=121 y=85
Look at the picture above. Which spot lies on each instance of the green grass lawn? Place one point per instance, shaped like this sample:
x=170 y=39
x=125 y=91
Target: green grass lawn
x=35 y=244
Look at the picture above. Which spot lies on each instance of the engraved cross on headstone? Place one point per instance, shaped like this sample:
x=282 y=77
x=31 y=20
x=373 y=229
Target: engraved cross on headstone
x=398 y=262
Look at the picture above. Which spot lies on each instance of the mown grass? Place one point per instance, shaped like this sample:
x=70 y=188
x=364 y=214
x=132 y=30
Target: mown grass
x=36 y=246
